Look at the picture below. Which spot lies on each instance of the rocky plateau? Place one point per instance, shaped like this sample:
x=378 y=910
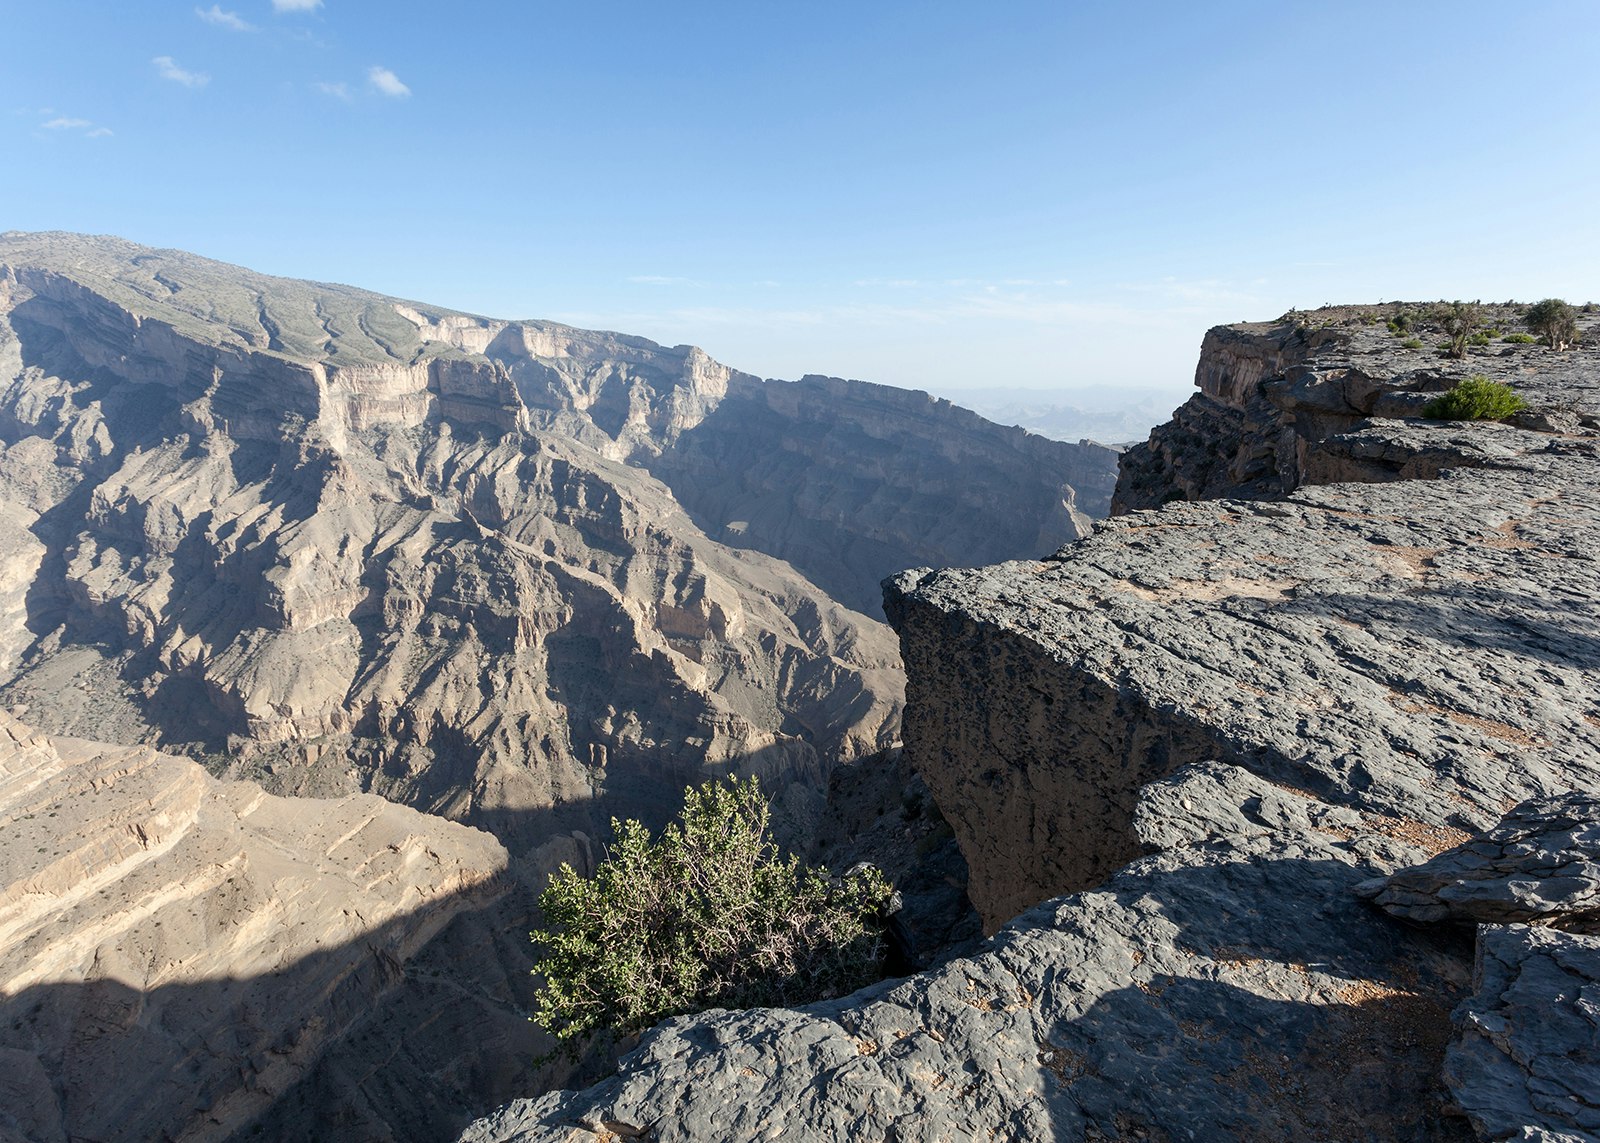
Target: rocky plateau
x=1237 y=777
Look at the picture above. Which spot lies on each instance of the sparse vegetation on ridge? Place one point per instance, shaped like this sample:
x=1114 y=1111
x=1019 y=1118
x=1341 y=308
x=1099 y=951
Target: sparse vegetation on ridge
x=709 y=915
x=1555 y=321
x=1459 y=320
x=1475 y=399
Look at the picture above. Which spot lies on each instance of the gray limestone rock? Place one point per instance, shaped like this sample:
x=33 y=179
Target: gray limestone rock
x=1539 y=866
x=1171 y=752
x=1227 y=987
x=1527 y=1059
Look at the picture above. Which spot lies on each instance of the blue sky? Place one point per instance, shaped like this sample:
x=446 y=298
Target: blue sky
x=925 y=194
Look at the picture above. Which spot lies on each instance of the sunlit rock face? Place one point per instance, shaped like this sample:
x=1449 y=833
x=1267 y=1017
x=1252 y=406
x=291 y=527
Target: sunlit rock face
x=355 y=543
x=330 y=544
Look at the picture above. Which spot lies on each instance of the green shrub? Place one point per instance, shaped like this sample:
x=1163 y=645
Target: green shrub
x=1555 y=321
x=1411 y=343
x=1480 y=338
x=1475 y=399
x=1519 y=338
x=1459 y=320
x=708 y=916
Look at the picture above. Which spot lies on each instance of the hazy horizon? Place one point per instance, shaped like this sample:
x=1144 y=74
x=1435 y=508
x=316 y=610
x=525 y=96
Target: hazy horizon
x=1050 y=197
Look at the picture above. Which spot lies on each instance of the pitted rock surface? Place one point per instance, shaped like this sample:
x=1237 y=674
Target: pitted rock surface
x=1424 y=649
x=1539 y=866
x=1525 y=1064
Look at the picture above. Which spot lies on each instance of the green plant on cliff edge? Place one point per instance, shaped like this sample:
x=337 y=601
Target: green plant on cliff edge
x=710 y=915
x=1475 y=399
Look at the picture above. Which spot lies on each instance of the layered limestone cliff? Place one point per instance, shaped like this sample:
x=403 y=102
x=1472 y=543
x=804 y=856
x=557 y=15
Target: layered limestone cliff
x=1176 y=755
x=515 y=574
x=177 y=952
x=481 y=567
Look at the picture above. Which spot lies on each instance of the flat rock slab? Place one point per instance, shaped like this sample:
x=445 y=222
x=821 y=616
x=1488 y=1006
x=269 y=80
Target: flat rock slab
x=1426 y=649
x=1528 y=1056
x=1540 y=865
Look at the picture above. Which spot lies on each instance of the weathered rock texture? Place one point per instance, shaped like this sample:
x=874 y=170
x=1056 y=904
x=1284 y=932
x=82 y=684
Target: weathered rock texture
x=1279 y=400
x=177 y=952
x=1281 y=699
x=1540 y=866
x=1525 y=1064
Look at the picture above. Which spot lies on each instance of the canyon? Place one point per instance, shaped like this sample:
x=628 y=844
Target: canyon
x=1276 y=792
x=331 y=623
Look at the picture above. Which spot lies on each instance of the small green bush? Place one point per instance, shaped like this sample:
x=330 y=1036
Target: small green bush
x=1555 y=321
x=1519 y=338
x=1459 y=320
x=1475 y=399
x=708 y=916
x=1411 y=343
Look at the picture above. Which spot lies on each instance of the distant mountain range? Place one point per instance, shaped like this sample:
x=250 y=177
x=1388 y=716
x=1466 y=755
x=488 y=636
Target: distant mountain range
x=1107 y=414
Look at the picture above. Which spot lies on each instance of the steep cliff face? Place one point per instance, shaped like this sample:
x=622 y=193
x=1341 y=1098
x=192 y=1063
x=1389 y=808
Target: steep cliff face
x=512 y=573
x=1278 y=402
x=1209 y=726
x=355 y=543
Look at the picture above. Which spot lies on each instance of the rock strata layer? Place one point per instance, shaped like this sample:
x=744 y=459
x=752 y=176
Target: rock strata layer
x=177 y=953
x=1207 y=725
x=514 y=573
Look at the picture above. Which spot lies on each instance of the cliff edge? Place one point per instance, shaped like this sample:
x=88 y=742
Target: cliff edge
x=1184 y=755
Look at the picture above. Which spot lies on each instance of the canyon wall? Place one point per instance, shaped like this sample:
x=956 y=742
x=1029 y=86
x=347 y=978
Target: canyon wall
x=1182 y=754
x=329 y=544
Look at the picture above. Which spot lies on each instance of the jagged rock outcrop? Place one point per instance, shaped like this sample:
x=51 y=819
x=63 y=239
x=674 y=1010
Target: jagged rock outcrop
x=1525 y=1063
x=1282 y=698
x=1278 y=402
x=1539 y=866
x=177 y=952
x=1527 y=1054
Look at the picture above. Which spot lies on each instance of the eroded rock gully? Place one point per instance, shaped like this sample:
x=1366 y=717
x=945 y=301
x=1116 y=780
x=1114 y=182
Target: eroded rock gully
x=477 y=566
x=1193 y=736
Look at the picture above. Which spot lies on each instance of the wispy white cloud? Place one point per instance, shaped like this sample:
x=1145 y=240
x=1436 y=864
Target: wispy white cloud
x=214 y=15
x=169 y=69
x=385 y=81
x=337 y=90
x=53 y=122
x=295 y=5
